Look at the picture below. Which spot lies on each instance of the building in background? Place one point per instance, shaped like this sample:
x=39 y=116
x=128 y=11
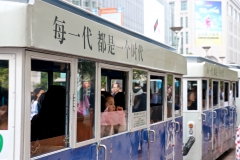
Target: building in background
x=213 y=23
x=130 y=14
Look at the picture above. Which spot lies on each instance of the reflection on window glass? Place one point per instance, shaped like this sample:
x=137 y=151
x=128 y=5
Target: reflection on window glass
x=59 y=78
x=139 y=98
x=226 y=93
x=113 y=102
x=192 y=95
x=210 y=93
x=85 y=100
x=139 y=91
x=178 y=104
x=204 y=94
x=156 y=96
x=169 y=95
x=48 y=108
x=215 y=93
x=4 y=75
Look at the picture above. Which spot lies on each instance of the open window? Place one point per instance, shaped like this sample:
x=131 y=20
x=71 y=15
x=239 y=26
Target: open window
x=7 y=105
x=222 y=93
x=49 y=115
x=192 y=95
x=114 y=104
x=225 y=95
x=157 y=84
x=237 y=89
x=215 y=93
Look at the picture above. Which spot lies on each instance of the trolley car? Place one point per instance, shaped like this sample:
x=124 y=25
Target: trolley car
x=75 y=86
x=209 y=112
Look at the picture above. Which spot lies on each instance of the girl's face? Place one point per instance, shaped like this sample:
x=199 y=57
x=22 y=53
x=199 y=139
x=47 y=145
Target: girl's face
x=110 y=104
x=192 y=97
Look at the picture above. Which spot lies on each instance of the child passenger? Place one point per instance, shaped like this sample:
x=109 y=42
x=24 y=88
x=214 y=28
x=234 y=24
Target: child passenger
x=112 y=121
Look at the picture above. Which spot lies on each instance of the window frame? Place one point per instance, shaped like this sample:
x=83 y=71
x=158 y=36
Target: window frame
x=186 y=22
x=183 y=5
x=11 y=58
x=173 y=95
x=132 y=129
x=226 y=103
x=181 y=21
x=27 y=124
x=165 y=99
x=207 y=95
x=185 y=94
x=181 y=95
x=74 y=127
x=218 y=105
x=98 y=90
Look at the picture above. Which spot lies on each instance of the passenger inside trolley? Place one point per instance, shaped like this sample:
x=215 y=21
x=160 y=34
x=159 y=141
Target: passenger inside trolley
x=191 y=101
x=49 y=110
x=113 y=111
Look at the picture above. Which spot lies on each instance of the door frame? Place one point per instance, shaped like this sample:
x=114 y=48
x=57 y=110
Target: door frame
x=11 y=58
x=27 y=124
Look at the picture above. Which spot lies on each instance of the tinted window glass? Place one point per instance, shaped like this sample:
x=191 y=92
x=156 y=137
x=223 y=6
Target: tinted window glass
x=156 y=99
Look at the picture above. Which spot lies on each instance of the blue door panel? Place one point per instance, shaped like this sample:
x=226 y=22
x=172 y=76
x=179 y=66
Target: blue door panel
x=178 y=140
x=157 y=149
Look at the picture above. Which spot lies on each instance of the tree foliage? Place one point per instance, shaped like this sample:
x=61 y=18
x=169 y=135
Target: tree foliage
x=4 y=77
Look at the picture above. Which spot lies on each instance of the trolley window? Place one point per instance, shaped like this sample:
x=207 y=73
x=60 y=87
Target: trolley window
x=85 y=100
x=169 y=95
x=192 y=95
x=204 y=94
x=4 y=81
x=178 y=104
x=49 y=106
x=139 y=98
x=222 y=93
x=234 y=93
x=215 y=93
x=157 y=101
x=237 y=90
x=113 y=102
x=226 y=93
x=210 y=92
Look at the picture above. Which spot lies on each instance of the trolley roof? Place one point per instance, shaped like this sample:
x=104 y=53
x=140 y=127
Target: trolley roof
x=235 y=67
x=199 y=67
x=46 y=27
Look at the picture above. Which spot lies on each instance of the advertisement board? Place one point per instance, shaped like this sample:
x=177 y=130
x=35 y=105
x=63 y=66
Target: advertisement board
x=112 y=14
x=154 y=20
x=208 y=23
